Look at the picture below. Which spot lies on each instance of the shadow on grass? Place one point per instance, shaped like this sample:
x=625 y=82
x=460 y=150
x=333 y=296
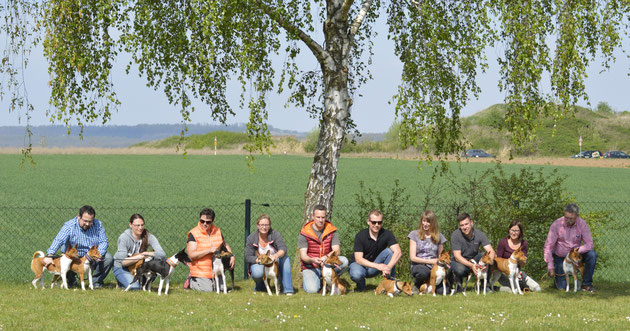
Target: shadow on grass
x=603 y=291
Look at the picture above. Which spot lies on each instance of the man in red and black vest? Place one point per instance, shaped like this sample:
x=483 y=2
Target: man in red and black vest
x=318 y=240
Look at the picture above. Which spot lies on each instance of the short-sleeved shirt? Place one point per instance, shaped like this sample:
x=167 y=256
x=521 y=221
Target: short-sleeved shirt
x=302 y=243
x=425 y=248
x=469 y=247
x=372 y=248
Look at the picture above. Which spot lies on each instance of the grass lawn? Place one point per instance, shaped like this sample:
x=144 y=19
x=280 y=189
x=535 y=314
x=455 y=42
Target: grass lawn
x=26 y=308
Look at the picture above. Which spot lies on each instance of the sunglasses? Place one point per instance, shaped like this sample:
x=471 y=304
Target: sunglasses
x=376 y=222
x=206 y=222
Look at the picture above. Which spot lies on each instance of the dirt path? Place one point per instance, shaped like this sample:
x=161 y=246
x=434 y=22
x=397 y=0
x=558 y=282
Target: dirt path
x=564 y=161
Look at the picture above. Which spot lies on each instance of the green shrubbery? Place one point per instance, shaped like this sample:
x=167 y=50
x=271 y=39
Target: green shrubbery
x=225 y=140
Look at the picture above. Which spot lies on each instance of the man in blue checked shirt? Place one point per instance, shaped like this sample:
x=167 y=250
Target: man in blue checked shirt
x=86 y=231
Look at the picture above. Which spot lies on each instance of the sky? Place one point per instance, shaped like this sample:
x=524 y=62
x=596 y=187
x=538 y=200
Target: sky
x=371 y=112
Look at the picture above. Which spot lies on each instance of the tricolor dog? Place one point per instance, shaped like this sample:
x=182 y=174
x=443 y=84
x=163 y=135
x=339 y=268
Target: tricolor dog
x=571 y=264
x=392 y=287
x=60 y=266
x=162 y=268
x=271 y=268
x=438 y=275
x=482 y=272
x=221 y=263
x=84 y=265
x=509 y=267
x=330 y=277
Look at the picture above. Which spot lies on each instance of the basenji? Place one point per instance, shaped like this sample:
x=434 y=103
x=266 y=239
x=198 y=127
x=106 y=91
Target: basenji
x=271 y=268
x=438 y=275
x=392 y=287
x=163 y=268
x=221 y=263
x=59 y=266
x=509 y=267
x=330 y=277
x=482 y=272
x=572 y=264
x=84 y=265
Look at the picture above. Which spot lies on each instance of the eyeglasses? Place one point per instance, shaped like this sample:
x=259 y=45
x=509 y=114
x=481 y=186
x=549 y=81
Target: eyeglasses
x=376 y=222
x=206 y=222
x=515 y=231
x=264 y=225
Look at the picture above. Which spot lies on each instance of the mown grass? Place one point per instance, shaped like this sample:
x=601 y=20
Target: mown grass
x=26 y=308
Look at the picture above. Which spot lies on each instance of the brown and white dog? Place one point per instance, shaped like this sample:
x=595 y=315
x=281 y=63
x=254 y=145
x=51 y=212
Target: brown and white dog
x=438 y=275
x=271 y=268
x=84 y=265
x=221 y=264
x=509 y=267
x=482 y=271
x=392 y=287
x=330 y=278
x=571 y=264
x=60 y=266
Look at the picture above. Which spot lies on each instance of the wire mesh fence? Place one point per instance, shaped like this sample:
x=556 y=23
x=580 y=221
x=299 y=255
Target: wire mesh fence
x=24 y=230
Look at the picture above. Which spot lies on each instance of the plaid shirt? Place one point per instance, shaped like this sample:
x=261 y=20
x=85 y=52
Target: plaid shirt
x=71 y=233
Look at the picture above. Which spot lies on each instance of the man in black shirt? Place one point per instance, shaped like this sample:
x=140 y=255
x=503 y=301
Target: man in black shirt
x=376 y=251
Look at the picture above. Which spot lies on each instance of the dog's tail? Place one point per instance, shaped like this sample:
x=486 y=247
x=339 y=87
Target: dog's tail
x=34 y=266
x=38 y=254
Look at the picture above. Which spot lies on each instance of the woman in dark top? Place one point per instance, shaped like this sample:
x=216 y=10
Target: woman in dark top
x=507 y=246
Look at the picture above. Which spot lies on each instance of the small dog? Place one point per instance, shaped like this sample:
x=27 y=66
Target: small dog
x=221 y=263
x=82 y=266
x=271 y=271
x=438 y=275
x=459 y=284
x=60 y=266
x=393 y=286
x=509 y=267
x=330 y=278
x=572 y=264
x=163 y=268
x=482 y=272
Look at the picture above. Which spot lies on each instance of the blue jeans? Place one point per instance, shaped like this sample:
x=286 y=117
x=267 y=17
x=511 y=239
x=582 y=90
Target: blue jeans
x=589 y=258
x=124 y=277
x=311 y=278
x=284 y=264
x=359 y=273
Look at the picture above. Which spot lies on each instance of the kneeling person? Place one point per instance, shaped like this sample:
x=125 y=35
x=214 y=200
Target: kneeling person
x=376 y=252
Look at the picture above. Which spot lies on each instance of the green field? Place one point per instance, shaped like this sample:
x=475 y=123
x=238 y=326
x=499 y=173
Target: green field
x=170 y=190
x=171 y=180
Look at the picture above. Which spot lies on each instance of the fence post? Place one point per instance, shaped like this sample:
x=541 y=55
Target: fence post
x=248 y=218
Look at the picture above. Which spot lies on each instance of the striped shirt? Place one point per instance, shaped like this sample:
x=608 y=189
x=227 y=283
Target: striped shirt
x=71 y=233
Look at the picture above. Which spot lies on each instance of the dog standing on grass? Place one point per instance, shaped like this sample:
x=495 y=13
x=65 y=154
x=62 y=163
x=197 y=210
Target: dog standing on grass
x=162 y=268
x=271 y=268
x=438 y=275
x=221 y=263
x=82 y=266
x=330 y=277
x=60 y=266
x=510 y=268
x=482 y=272
x=572 y=264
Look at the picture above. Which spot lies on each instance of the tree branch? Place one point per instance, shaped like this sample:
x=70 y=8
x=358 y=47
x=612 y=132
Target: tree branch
x=317 y=50
x=356 y=24
x=345 y=8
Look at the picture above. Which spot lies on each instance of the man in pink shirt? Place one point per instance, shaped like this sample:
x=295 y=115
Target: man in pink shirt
x=565 y=234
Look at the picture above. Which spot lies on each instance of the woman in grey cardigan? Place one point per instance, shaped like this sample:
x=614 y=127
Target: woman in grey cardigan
x=132 y=247
x=264 y=240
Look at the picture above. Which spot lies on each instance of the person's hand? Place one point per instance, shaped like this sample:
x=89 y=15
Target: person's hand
x=47 y=261
x=385 y=269
x=551 y=273
x=273 y=257
x=232 y=259
x=318 y=261
x=474 y=268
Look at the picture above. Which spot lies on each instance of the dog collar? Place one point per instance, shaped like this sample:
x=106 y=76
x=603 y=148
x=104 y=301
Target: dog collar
x=513 y=260
x=332 y=266
x=171 y=263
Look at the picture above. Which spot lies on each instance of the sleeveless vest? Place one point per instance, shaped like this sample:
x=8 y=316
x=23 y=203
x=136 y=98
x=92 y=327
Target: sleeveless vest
x=316 y=247
x=203 y=267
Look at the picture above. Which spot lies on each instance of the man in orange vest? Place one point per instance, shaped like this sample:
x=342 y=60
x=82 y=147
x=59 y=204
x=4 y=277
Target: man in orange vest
x=203 y=241
x=318 y=240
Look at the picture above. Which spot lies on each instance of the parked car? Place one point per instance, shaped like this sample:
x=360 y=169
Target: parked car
x=616 y=155
x=476 y=153
x=588 y=155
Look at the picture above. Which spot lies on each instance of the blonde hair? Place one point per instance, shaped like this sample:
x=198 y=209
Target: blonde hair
x=434 y=227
